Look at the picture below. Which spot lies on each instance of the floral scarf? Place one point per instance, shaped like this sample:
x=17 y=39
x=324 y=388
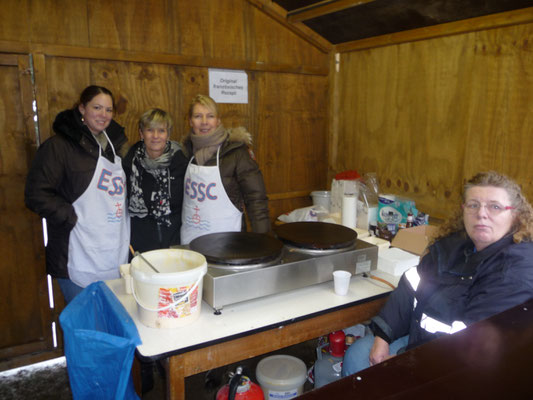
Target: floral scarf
x=159 y=207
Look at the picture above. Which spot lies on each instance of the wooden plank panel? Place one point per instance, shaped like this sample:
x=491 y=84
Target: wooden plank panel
x=58 y=22
x=23 y=283
x=292 y=146
x=429 y=114
x=132 y=25
x=275 y=44
x=13 y=12
x=501 y=119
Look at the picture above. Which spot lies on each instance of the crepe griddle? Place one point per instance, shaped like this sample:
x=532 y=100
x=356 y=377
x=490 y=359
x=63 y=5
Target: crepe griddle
x=237 y=248
x=316 y=235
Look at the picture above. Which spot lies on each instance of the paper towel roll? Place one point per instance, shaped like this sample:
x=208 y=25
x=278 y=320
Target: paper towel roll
x=349 y=210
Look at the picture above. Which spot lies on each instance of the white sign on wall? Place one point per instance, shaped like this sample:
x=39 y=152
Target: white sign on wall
x=228 y=86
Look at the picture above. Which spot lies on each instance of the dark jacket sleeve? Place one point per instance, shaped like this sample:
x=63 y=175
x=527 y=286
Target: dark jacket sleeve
x=252 y=187
x=500 y=290
x=42 y=193
x=393 y=321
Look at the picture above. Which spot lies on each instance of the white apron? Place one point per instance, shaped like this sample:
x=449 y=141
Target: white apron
x=206 y=205
x=98 y=243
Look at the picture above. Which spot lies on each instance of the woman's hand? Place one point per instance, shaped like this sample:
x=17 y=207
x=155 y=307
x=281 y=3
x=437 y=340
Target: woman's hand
x=379 y=351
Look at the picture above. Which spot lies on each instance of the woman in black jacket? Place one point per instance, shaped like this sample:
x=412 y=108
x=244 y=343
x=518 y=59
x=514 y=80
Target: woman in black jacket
x=481 y=265
x=76 y=182
x=155 y=167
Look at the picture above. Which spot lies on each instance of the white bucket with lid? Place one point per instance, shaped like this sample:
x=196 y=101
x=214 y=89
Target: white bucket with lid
x=321 y=198
x=281 y=377
x=173 y=297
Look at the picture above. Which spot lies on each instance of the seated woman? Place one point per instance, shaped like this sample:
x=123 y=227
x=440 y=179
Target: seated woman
x=481 y=264
x=155 y=167
x=222 y=178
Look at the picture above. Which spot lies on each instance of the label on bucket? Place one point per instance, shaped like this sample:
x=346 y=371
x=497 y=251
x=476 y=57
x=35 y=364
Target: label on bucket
x=282 y=395
x=184 y=308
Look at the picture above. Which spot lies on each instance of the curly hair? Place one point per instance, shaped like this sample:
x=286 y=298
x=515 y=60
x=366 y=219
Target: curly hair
x=522 y=227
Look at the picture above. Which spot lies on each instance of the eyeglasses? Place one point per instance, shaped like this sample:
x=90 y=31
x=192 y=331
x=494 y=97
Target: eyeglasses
x=473 y=207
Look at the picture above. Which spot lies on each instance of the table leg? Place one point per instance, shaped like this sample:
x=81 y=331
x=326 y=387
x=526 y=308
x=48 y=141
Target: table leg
x=175 y=378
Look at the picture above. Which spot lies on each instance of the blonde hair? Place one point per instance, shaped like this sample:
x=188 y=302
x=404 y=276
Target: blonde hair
x=522 y=227
x=205 y=101
x=155 y=117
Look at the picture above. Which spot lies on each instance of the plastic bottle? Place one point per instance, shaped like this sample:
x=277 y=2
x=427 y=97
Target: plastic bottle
x=328 y=366
x=410 y=220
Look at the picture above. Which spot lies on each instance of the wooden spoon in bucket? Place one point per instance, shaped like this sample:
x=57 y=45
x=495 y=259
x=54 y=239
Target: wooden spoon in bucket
x=136 y=253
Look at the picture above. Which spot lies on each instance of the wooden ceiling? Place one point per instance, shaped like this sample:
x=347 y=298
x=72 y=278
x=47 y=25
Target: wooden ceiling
x=334 y=22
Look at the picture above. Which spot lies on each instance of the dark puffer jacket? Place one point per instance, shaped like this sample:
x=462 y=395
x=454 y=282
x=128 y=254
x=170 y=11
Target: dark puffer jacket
x=456 y=287
x=60 y=173
x=146 y=234
x=241 y=177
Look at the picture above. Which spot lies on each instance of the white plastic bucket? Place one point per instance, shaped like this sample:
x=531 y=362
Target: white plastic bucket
x=281 y=377
x=172 y=297
x=321 y=198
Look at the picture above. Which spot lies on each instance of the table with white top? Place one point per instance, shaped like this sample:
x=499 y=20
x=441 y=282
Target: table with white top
x=253 y=327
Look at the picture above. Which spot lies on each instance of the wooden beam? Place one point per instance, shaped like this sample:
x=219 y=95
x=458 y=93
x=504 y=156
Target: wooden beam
x=322 y=8
x=10 y=60
x=280 y=15
x=172 y=59
x=492 y=21
x=8 y=46
x=289 y=195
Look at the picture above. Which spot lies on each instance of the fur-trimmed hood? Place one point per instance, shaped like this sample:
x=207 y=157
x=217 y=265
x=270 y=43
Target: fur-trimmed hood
x=237 y=137
x=239 y=134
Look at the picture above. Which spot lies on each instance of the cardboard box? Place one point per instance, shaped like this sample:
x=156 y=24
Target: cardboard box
x=415 y=239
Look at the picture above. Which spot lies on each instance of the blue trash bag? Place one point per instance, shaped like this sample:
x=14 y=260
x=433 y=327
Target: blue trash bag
x=100 y=341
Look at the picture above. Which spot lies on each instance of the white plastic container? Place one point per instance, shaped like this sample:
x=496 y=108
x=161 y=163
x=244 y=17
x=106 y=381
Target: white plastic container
x=281 y=377
x=321 y=198
x=173 y=297
x=396 y=261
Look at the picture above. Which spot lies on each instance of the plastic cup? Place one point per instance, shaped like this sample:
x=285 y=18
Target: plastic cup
x=125 y=273
x=341 y=282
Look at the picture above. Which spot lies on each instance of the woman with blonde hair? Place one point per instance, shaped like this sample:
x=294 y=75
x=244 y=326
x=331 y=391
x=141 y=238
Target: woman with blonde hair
x=222 y=178
x=480 y=264
x=155 y=167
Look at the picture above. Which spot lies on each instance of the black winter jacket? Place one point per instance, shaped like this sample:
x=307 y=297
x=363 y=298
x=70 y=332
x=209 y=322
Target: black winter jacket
x=60 y=173
x=146 y=234
x=457 y=285
x=241 y=177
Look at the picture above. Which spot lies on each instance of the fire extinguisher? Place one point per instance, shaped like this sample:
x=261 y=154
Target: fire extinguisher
x=240 y=387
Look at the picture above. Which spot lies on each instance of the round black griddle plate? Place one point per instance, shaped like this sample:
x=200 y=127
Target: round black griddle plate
x=316 y=235
x=237 y=248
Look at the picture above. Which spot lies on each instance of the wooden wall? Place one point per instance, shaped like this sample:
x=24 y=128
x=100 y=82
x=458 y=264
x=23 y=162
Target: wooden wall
x=426 y=115
x=150 y=53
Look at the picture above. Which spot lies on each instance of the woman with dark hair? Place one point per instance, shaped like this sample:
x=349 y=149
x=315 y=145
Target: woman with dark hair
x=77 y=183
x=155 y=167
x=480 y=264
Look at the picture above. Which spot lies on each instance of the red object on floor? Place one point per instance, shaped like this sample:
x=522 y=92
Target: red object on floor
x=247 y=390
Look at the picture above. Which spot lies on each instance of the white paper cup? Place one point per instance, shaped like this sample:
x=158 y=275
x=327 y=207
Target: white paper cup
x=125 y=273
x=341 y=282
